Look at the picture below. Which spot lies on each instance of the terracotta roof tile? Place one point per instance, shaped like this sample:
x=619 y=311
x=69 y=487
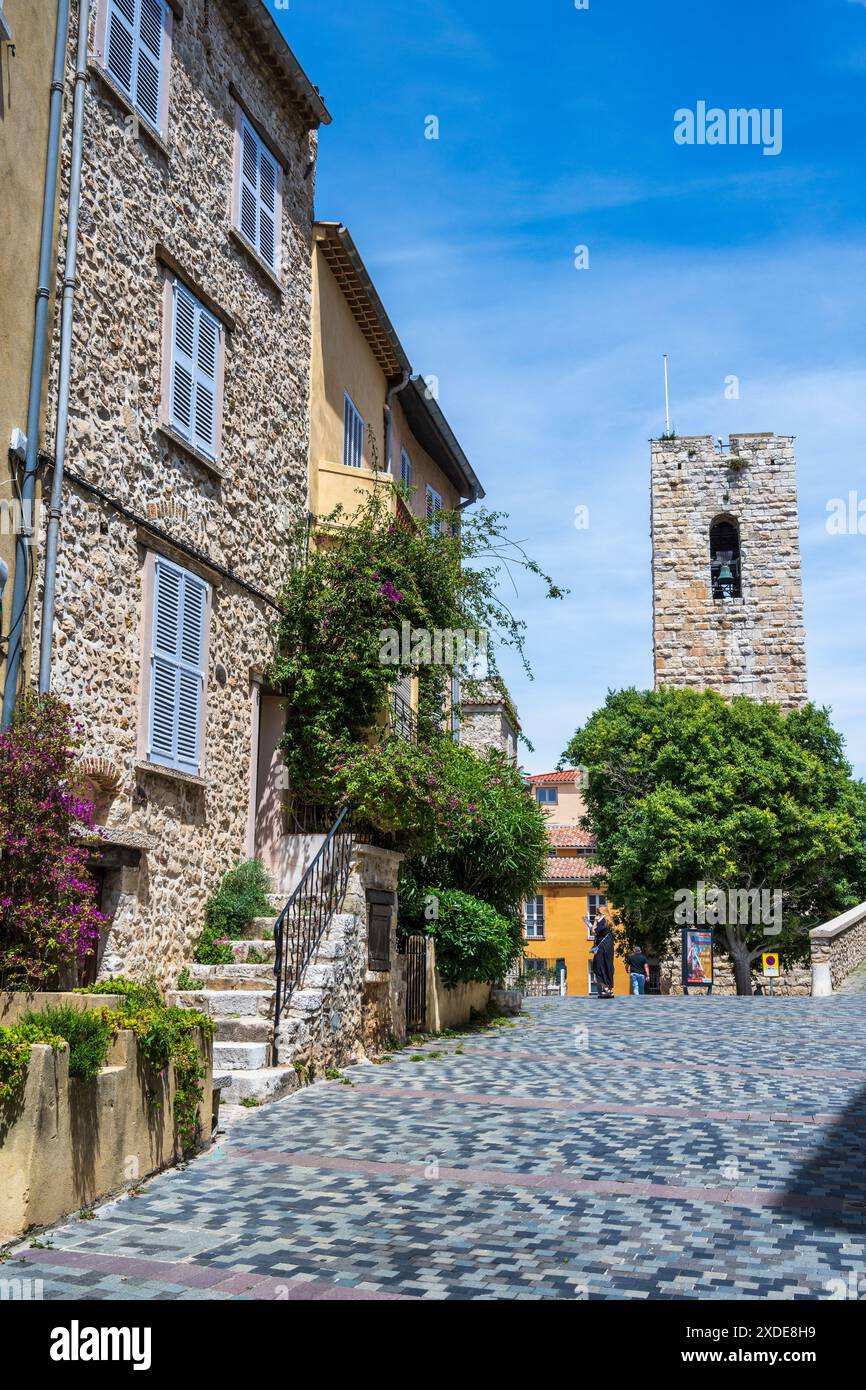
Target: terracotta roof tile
x=578 y=869
x=570 y=837
x=554 y=779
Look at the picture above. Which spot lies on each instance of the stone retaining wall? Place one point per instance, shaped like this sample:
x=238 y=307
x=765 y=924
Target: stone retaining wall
x=66 y=1143
x=838 y=947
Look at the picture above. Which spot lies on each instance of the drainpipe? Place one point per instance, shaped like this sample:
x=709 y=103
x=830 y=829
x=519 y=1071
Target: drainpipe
x=66 y=318
x=21 y=583
x=4 y=575
x=389 y=429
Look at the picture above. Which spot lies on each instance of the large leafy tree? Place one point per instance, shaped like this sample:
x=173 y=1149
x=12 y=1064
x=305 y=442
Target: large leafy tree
x=684 y=788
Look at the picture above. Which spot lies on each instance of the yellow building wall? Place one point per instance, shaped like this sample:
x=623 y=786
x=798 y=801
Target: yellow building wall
x=25 y=81
x=565 y=937
x=569 y=808
x=341 y=361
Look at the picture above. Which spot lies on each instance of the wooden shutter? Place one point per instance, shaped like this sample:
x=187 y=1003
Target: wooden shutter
x=434 y=506
x=380 y=910
x=196 y=345
x=353 y=434
x=120 y=44
x=177 y=667
x=248 y=213
x=206 y=367
x=269 y=175
x=259 y=195
x=134 y=53
x=148 y=77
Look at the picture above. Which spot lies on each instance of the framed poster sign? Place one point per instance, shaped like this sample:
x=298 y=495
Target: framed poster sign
x=697 y=959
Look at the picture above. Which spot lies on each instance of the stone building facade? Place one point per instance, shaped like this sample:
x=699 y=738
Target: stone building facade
x=727 y=588
x=187 y=457
x=488 y=720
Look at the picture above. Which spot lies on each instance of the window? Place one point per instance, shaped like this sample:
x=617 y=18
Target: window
x=5 y=30
x=434 y=506
x=405 y=468
x=594 y=901
x=136 y=46
x=177 y=656
x=592 y=982
x=533 y=917
x=196 y=343
x=258 y=198
x=547 y=796
x=353 y=434
x=725 y=565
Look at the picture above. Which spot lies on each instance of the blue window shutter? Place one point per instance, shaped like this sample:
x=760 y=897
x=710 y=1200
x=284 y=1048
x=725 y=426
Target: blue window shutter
x=177 y=667
x=249 y=191
x=206 y=366
x=353 y=434
x=195 y=353
x=268 y=184
x=148 y=76
x=134 y=53
x=258 y=211
x=120 y=44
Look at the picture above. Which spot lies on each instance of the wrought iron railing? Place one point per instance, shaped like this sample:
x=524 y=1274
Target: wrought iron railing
x=304 y=919
x=404 y=720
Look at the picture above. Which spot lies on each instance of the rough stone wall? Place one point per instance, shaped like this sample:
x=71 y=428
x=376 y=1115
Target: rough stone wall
x=845 y=951
x=754 y=645
x=344 y=1010
x=797 y=981
x=485 y=723
x=136 y=198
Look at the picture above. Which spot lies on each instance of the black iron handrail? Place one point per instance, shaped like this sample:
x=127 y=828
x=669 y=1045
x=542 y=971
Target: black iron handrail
x=304 y=919
x=404 y=720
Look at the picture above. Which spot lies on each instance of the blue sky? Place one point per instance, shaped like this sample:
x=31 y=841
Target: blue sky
x=556 y=130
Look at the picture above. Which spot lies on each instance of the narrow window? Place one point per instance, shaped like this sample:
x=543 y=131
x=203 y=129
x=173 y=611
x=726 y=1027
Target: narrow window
x=434 y=507
x=136 y=48
x=196 y=346
x=258 y=199
x=177 y=668
x=533 y=916
x=405 y=468
x=353 y=434
x=594 y=901
x=725 y=564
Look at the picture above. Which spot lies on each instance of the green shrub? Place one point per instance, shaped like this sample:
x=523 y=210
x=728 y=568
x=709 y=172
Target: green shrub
x=474 y=942
x=165 y=1036
x=243 y=893
x=86 y=1031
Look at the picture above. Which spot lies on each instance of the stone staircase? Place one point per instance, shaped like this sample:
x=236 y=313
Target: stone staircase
x=240 y=999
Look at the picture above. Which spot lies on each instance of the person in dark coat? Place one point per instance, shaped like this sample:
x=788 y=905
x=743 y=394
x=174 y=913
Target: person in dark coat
x=603 y=959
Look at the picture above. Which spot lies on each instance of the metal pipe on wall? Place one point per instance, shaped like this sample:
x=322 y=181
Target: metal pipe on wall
x=66 y=321
x=23 y=543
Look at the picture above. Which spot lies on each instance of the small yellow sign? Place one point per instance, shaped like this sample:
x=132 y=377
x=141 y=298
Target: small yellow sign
x=771 y=964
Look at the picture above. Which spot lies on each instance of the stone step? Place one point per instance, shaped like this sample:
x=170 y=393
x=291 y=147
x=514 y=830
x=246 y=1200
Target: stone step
x=260 y=927
x=268 y=1083
x=252 y=1030
x=241 y=1056
x=260 y=945
x=233 y=976
x=226 y=1003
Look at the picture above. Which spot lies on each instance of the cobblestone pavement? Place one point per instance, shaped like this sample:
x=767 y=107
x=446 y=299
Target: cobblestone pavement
x=655 y=1148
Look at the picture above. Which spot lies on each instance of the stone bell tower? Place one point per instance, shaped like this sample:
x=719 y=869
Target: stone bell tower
x=727 y=588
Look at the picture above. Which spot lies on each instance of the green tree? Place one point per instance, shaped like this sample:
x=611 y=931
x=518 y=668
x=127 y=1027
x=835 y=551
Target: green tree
x=682 y=787
x=361 y=581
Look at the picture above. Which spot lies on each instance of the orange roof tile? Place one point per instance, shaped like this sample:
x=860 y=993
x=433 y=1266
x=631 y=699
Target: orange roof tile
x=570 y=837
x=554 y=779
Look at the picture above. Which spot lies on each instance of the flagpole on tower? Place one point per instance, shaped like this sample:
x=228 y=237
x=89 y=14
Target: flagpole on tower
x=667 y=398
